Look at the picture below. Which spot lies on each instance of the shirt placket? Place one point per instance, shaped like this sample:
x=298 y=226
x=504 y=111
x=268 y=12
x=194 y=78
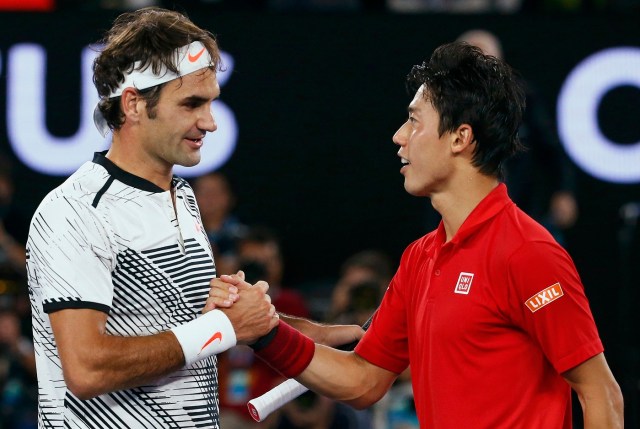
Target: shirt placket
x=173 y=212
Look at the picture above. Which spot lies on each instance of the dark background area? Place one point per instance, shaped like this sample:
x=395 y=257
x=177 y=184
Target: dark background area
x=318 y=97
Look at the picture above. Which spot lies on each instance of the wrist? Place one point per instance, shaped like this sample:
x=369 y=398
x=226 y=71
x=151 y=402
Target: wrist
x=212 y=333
x=286 y=350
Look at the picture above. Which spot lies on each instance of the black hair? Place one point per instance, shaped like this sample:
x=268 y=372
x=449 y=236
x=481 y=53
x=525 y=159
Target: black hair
x=465 y=86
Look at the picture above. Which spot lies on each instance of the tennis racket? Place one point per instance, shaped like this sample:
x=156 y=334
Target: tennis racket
x=287 y=391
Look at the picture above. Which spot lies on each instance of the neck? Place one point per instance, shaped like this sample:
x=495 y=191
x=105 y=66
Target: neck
x=456 y=203
x=130 y=156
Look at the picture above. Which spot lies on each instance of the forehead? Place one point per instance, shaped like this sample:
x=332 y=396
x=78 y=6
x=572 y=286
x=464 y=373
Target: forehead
x=420 y=101
x=201 y=83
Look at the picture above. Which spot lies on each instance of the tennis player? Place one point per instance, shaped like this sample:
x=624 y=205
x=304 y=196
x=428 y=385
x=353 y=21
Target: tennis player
x=120 y=267
x=488 y=309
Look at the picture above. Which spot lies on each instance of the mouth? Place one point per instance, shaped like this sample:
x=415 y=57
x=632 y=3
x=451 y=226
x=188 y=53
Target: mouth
x=195 y=143
x=405 y=162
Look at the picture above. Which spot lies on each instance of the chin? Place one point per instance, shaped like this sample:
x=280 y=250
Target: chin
x=189 y=161
x=415 y=191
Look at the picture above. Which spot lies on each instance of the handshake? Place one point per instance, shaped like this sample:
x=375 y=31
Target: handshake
x=247 y=306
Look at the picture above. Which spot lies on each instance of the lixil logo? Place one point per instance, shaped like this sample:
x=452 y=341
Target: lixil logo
x=544 y=297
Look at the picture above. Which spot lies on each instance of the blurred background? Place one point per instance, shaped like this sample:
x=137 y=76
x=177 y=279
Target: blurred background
x=301 y=181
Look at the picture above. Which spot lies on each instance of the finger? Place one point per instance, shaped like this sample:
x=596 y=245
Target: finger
x=213 y=303
x=223 y=291
x=272 y=312
x=235 y=280
x=275 y=320
x=262 y=285
x=241 y=274
x=208 y=306
x=219 y=283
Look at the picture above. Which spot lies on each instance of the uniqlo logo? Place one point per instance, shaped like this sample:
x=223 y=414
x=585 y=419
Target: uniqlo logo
x=464 y=283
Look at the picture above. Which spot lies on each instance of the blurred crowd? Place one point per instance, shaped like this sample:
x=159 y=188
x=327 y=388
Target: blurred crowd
x=18 y=391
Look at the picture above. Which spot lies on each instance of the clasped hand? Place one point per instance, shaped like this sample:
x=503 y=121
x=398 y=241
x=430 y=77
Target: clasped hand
x=248 y=306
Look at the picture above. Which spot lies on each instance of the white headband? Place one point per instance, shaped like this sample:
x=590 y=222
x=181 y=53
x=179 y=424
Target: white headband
x=190 y=58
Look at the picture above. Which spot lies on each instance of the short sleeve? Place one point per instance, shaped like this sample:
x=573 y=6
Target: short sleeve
x=548 y=302
x=70 y=256
x=385 y=344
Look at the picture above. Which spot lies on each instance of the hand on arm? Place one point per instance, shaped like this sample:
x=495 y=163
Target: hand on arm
x=224 y=293
x=598 y=392
x=329 y=335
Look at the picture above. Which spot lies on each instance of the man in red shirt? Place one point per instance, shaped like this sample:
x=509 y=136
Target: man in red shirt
x=488 y=309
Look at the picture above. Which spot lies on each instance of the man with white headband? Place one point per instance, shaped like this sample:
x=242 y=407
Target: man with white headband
x=120 y=268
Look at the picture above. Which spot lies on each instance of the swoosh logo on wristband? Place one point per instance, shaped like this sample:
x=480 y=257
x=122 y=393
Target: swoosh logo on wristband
x=194 y=58
x=216 y=336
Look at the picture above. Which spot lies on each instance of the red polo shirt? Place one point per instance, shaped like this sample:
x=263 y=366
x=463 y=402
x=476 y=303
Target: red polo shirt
x=488 y=322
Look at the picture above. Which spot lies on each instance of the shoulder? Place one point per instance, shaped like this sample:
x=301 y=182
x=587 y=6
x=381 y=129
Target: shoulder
x=75 y=191
x=80 y=186
x=70 y=204
x=516 y=228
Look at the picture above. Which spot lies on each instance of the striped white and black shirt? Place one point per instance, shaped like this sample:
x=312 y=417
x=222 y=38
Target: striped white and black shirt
x=111 y=241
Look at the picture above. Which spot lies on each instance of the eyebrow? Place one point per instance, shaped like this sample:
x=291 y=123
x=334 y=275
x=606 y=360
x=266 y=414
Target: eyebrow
x=194 y=99
x=412 y=109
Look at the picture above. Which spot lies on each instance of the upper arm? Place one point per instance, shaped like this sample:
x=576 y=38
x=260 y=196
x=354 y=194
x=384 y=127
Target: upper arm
x=77 y=329
x=77 y=334
x=592 y=374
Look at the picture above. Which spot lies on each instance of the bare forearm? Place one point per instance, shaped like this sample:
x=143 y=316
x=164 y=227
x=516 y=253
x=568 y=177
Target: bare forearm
x=346 y=377
x=603 y=411
x=598 y=392
x=117 y=363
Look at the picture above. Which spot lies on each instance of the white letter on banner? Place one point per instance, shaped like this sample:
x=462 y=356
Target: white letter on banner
x=26 y=119
x=48 y=154
x=578 y=126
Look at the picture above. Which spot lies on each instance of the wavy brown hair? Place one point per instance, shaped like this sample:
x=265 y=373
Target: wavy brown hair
x=151 y=36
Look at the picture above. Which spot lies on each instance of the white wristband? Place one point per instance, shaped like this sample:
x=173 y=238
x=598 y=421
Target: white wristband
x=209 y=334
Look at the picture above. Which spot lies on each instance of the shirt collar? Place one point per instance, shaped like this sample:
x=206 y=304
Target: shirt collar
x=488 y=208
x=126 y=177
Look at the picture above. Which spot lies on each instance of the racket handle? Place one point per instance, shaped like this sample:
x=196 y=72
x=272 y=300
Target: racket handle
x=285 y=392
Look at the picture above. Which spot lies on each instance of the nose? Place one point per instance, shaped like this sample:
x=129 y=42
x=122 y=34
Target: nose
x=400 y=137
x=207 y=122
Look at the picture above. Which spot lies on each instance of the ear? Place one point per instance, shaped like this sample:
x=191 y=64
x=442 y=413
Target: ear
x=462 y=138
x=132 y=105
